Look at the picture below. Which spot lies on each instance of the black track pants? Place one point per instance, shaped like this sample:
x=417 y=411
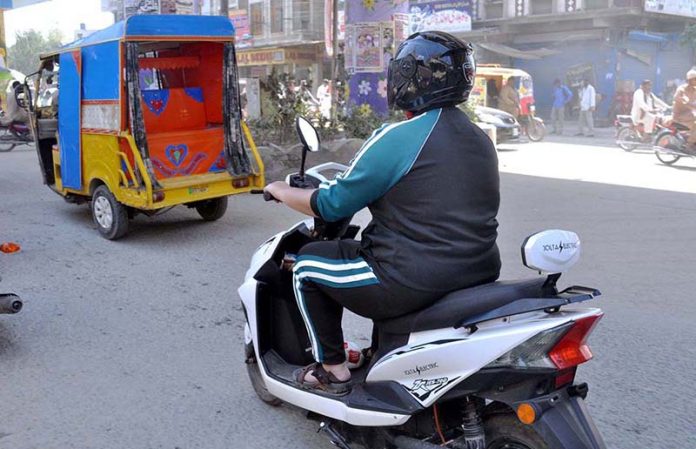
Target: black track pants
x=329 y=276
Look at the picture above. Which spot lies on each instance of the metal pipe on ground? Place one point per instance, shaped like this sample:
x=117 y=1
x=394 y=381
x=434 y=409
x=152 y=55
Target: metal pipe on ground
x=10 y=303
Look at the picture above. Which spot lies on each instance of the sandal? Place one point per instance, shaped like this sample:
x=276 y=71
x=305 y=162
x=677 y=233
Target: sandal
x=326 y=381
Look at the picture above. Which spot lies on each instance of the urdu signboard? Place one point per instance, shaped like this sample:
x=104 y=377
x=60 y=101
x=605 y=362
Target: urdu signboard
x=686 y=8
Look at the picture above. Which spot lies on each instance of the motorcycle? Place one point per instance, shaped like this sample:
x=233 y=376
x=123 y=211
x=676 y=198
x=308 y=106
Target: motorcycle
x=14 y=132
x=630 y=136
x=532 y=125
x=671 y=144
x=488 y=367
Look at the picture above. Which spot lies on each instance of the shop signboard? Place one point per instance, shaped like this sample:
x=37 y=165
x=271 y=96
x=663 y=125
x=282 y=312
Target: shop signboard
x=686 y=8
x=441 y=15
x=135 y=7
x=261 y=57
x=188 y=7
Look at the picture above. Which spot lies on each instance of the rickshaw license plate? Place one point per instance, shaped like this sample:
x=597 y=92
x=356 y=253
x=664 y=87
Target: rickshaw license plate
x=198 y=189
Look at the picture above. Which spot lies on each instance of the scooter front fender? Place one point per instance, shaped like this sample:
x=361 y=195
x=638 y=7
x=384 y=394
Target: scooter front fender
x=566 y=423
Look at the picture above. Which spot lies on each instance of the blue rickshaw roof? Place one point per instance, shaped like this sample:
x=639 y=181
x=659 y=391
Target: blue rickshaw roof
x=156 y=26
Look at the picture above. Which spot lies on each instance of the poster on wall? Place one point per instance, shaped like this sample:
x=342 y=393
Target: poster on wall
x=188 y=7
x=364 y=48
x=441 y=15
x=242 y=32
x=686 y=8
x=168 y=6
x=135 y=7
x=400 y=28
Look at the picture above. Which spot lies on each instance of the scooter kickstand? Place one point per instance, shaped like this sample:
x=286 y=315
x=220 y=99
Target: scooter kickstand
x=334 y=437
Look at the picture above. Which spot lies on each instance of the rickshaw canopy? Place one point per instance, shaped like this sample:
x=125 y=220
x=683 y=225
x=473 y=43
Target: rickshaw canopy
x=156 y=27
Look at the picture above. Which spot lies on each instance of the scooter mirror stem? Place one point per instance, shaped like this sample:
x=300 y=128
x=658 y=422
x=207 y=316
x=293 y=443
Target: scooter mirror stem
x=304 y=158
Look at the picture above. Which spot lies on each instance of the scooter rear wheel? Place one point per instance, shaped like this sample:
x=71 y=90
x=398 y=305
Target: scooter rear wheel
x=505 y=431
x=254 y=373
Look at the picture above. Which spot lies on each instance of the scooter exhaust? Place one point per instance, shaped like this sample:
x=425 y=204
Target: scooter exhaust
x=10 y=303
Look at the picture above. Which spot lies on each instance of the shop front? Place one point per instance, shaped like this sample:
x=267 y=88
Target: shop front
x=303 y=62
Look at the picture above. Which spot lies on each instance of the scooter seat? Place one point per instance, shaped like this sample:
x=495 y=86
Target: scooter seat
x=457 y=306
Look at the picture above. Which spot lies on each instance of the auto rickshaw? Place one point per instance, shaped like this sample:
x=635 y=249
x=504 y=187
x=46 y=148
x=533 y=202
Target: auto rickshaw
x=143 y=116
x=489 y=81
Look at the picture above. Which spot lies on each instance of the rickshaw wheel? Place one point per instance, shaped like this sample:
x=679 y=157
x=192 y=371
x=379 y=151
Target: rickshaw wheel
x=110 y=216
x=211 y=210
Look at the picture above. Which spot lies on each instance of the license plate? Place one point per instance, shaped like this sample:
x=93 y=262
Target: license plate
x=515 y=132
x=198 y=189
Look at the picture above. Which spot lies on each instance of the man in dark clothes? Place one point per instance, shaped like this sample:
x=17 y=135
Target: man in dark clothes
x=431 y=183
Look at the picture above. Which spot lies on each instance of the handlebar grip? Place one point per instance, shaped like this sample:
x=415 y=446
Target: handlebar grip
x=266 y=196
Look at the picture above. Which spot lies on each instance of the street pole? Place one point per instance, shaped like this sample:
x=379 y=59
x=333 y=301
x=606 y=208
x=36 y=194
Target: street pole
x=334 y=64
x=224 y=8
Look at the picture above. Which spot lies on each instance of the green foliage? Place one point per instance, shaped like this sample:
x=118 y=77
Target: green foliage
x=470 y=110
x=24 y=54
x=688 y=36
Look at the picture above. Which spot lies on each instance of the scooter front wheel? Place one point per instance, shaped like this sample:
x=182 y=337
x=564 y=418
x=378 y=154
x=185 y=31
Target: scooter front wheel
x=505 y=431
x=254 y=372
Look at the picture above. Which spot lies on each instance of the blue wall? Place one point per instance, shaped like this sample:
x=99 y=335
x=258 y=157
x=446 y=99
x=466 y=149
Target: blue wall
x=669 y=61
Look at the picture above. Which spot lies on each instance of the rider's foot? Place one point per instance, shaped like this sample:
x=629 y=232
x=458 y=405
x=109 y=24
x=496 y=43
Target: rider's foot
x=333 y=379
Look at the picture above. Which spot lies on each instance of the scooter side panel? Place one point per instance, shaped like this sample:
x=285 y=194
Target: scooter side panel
x=435 y=361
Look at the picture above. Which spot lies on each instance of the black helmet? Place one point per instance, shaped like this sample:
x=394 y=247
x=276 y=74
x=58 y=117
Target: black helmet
x=431 y=69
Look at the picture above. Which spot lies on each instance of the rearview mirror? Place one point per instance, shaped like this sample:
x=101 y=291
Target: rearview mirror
x=309 y=137
x=308 y=134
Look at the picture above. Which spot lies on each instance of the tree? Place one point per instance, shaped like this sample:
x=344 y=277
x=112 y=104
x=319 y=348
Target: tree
x=688 y=38
x=24 y=54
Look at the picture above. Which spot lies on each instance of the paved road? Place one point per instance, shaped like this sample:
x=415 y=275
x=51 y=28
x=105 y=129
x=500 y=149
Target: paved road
x=137 y=343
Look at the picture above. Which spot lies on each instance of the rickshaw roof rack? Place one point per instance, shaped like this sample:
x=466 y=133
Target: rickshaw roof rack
x=155 y=28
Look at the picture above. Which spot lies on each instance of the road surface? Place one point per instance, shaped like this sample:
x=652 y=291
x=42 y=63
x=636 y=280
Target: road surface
x=138 y=343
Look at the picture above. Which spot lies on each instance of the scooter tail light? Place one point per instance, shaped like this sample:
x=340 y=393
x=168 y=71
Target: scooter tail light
x=533 y=353
x=571 y=350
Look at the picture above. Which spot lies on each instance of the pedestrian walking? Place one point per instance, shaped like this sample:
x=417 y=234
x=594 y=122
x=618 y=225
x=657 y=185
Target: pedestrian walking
x=587 y=107
x=561 y=96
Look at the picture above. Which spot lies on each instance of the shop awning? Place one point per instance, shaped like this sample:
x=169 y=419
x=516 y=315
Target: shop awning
x=515 y=53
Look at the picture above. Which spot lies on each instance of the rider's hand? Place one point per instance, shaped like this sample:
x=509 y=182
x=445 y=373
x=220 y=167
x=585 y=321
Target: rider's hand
x=277 y=189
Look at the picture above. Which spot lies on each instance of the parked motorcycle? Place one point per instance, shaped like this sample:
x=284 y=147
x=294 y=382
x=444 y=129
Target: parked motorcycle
x=488 y=367
x=671 y=144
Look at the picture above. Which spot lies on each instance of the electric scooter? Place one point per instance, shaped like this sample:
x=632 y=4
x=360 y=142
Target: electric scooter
x=488 y=367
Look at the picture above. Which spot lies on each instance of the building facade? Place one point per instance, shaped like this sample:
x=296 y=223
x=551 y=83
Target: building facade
x=615 y=44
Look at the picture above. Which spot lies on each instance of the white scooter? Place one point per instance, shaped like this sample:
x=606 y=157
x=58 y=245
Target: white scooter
x=488 y=367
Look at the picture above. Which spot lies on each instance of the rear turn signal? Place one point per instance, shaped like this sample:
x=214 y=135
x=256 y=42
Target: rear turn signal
x=526 y=413
x=571 y=350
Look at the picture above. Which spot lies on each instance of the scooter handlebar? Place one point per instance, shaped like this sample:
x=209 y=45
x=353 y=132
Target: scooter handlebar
x=266 y=196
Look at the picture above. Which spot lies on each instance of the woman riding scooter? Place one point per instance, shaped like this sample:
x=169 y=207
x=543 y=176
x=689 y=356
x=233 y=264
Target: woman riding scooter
x=431 y=184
